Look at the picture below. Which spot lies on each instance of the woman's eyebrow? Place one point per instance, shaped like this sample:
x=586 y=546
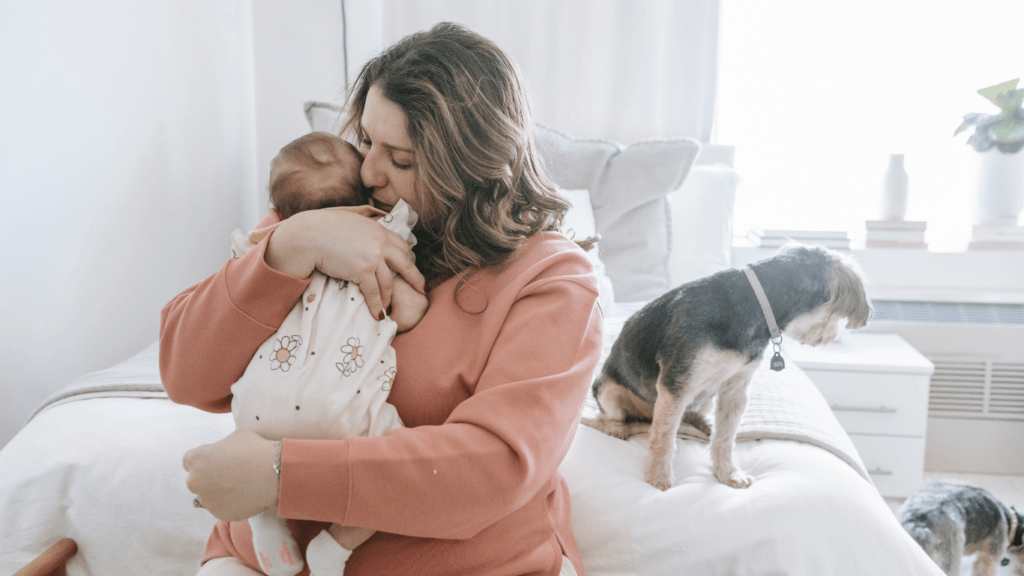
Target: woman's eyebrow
x=363 y=133
x=398 y=148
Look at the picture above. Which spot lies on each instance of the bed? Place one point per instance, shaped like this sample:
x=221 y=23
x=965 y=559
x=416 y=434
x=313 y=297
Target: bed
x=100 y=461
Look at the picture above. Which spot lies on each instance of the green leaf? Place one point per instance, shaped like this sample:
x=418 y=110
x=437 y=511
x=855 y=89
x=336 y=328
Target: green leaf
x=992 y=92
x=969 y=120
x=1011 y=100
x=1006 y=132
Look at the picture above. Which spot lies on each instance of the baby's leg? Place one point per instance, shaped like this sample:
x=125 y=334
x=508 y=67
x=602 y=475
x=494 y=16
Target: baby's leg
x=277 y=551
x=325 y=556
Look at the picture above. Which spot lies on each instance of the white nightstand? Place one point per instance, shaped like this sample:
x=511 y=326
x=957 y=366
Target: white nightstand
x=877 y=386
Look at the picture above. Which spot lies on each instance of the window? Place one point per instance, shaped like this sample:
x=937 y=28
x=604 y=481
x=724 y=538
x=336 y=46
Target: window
x=816 y=95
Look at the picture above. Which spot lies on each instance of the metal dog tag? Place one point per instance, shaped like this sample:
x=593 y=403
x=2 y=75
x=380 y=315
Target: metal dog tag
x=777 y=363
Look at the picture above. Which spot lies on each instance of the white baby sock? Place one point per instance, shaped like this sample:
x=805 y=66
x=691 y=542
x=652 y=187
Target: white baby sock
x=325 y=556
x=276 y=550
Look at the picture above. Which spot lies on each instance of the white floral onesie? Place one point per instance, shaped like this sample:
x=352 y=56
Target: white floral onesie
x=325 y=374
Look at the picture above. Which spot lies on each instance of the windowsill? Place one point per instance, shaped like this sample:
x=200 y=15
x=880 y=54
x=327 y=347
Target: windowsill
x=992 y=276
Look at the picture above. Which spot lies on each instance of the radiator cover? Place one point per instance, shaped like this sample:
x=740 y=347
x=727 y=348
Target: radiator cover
x=976 y=398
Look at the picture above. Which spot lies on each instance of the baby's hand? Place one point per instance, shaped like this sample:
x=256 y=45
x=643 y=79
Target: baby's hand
x=407 y=305
x=350 y=537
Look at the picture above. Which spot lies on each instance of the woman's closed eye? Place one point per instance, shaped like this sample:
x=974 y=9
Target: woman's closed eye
x=365 y=143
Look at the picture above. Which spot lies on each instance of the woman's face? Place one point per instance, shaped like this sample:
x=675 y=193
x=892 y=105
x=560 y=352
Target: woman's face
x=389 y=161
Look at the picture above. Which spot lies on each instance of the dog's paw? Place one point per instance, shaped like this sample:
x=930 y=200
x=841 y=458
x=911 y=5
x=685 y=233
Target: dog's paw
x=659 y=477
x=613 y=428
x=734 y=478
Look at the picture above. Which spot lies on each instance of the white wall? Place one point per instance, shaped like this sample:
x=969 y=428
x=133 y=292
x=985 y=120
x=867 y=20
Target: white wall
x=299 y=56
x=127 y=155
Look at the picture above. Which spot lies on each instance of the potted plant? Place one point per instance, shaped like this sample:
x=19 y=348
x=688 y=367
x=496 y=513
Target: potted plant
x=1004 y=130
x=999 y=138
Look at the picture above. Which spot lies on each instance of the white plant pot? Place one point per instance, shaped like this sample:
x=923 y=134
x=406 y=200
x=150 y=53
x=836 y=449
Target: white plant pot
x=1000 y=188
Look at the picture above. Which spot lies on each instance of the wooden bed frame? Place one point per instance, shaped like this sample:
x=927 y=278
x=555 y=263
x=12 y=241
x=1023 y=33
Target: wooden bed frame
x=52 y=562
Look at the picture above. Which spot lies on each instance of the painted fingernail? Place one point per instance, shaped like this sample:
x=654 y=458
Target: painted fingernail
x=380 y=316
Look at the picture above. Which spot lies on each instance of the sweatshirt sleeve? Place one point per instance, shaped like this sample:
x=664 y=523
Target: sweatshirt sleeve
x=210 y=331
x=496 y=450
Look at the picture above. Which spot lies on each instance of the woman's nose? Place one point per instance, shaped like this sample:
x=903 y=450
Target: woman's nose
x=371 y=176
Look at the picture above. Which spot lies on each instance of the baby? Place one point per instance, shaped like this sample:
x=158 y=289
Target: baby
x=326 y=373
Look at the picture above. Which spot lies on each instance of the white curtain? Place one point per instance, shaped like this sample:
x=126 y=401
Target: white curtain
x=619 y=69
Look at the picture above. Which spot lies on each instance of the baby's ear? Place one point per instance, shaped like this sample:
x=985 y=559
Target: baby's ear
x=277 y=214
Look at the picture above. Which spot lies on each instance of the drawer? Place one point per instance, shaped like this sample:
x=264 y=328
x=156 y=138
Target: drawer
x=896 y=465
x=876 y=403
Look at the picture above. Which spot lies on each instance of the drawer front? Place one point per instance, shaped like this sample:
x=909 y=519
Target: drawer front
x=896 y=465
x=875 y=403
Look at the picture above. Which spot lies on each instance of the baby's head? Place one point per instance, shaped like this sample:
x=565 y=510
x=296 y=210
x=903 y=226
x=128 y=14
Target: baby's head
x=318 y=170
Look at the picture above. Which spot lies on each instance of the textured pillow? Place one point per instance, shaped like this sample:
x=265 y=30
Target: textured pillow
x=323 y=117
x=628 y=189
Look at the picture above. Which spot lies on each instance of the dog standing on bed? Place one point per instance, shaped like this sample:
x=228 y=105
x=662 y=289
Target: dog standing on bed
x=950 y=520
x=707 y=337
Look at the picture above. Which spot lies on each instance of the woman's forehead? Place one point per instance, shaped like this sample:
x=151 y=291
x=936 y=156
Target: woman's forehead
x=384 y=122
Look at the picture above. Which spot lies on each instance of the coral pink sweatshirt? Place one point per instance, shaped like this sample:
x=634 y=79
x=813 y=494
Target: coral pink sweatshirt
x=491 y=390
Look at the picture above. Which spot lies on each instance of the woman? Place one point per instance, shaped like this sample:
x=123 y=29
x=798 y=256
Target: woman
x=491 y=382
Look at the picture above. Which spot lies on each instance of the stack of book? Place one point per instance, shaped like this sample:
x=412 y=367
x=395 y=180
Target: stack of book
x=895 y=234
x=992 y=237
x=834 y=239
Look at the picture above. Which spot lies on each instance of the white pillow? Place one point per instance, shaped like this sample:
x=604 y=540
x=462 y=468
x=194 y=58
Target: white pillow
x=579 y=225
x=701 y=215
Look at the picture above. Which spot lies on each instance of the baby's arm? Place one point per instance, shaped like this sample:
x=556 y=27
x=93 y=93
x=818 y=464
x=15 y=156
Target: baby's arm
x=407 y=305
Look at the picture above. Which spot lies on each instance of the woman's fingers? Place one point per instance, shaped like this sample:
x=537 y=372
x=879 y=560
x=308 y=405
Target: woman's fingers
x=370 y=290
x=403 y=264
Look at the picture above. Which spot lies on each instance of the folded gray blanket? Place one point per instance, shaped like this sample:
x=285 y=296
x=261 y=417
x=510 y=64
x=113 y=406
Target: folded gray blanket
x=136 y=377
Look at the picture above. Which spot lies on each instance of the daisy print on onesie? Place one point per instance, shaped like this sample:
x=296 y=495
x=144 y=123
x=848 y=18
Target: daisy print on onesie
x=353 y=357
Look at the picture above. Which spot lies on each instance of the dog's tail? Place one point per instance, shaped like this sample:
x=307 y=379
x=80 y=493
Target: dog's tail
x=849 y=297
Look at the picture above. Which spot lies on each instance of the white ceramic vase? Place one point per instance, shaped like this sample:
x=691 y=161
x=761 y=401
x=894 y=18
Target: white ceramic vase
x=895 y=188
x=1000 y=188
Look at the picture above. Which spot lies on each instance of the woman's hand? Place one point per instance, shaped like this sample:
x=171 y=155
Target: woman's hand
x=344 y=245
x=234 y=478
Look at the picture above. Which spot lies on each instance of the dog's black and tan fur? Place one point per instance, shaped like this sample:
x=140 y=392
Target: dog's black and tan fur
x=707 y=337
x=950 y=520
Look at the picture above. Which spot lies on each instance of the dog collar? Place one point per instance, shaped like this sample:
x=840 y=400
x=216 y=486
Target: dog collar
x=777 y=362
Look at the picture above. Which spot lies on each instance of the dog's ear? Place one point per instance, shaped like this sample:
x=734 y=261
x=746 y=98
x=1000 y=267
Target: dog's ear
x=848 y=295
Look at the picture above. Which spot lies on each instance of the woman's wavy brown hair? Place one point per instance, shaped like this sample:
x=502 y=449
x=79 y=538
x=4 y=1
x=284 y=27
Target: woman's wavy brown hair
x=480 y=181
